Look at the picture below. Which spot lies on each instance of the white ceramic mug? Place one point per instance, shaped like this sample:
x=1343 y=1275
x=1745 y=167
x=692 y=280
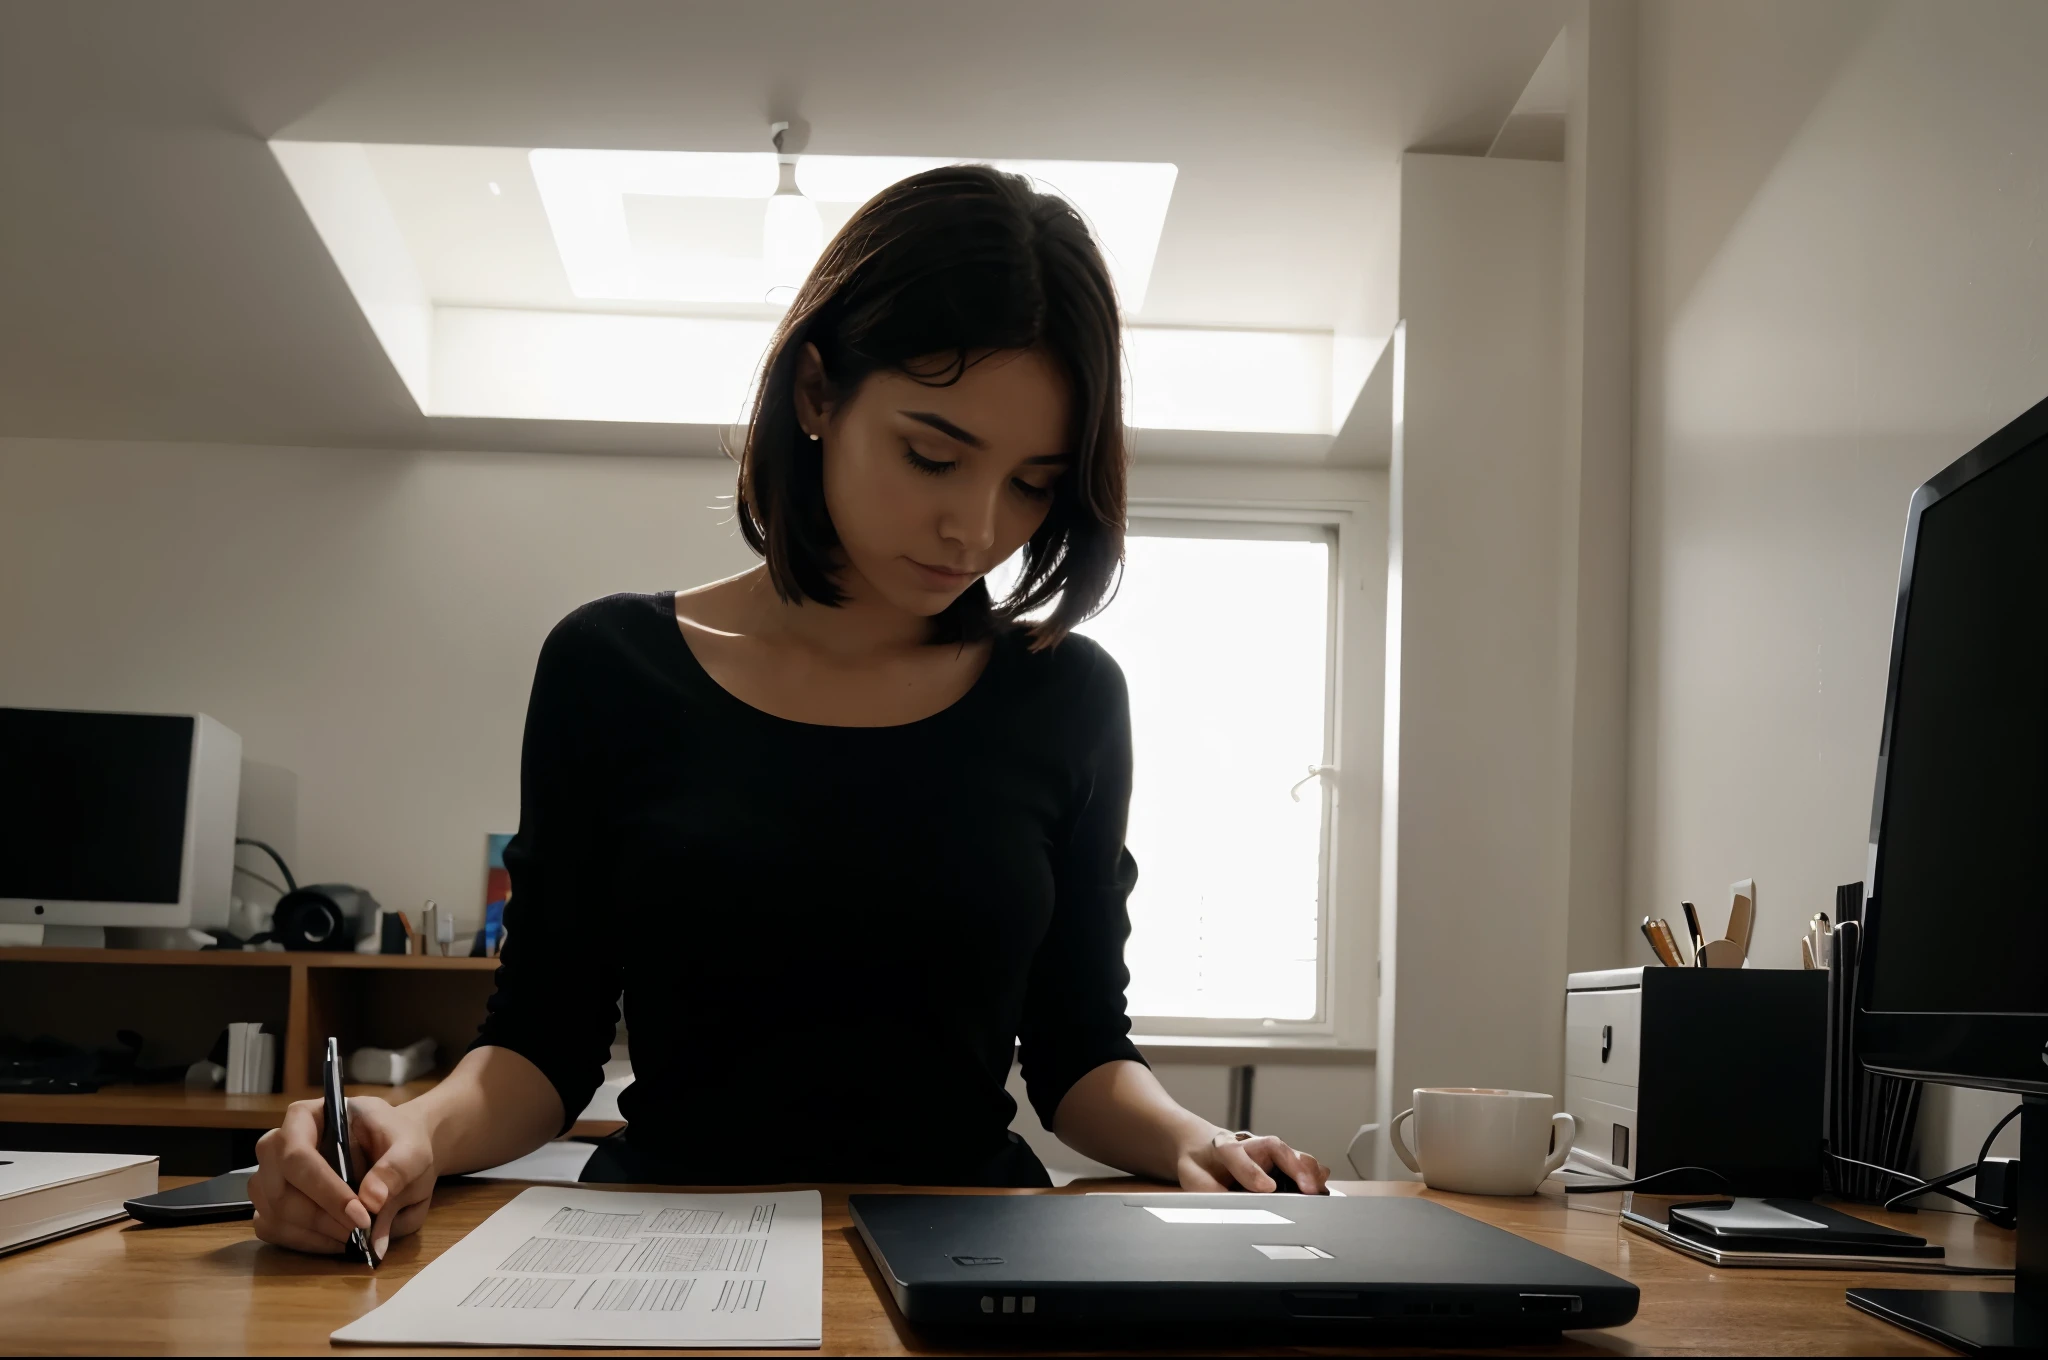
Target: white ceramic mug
x=1477 y=1141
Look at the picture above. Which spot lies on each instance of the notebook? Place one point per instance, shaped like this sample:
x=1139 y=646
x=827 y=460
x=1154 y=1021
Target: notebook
x=1768 y=1224
x=1656 y=1221
x=44 y=1195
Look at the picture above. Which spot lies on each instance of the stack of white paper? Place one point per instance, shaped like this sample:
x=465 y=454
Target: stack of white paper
x=579 y=1267
x=561 y=1162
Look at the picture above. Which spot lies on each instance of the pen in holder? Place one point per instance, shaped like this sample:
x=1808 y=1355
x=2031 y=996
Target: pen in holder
x=1870 y=1117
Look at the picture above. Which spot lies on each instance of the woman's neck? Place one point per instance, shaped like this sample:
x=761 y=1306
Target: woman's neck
x=862 y=624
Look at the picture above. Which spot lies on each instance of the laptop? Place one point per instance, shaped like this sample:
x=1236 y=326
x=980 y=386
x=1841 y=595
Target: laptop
x=1045 y=1261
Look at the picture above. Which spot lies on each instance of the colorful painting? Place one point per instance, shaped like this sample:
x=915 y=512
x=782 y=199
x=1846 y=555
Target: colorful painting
x=497 y=890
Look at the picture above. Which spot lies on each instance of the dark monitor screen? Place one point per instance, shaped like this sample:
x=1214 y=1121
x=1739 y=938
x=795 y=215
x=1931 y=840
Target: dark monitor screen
x=1960 y=917
x=92 y=805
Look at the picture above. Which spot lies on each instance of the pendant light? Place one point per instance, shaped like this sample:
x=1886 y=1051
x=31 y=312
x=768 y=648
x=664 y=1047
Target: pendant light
x=792 y=233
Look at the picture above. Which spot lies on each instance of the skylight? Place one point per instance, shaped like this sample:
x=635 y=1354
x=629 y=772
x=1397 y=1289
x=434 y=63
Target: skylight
x=686 y=226
x=590 y=285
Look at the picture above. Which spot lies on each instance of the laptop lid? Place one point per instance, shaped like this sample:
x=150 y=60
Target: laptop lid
x=1138 y=1258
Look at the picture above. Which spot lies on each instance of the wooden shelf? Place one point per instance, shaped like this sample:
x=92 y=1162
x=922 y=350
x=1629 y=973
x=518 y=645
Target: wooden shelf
x=236 y=958
x=172 y=1106
x=180 y=1000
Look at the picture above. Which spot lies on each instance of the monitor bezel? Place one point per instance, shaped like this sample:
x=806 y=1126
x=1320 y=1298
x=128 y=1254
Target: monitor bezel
x=213 y=777
x=1994 y=1051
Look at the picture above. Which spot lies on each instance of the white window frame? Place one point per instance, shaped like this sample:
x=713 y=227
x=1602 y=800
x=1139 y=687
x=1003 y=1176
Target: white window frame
x=1180 y=519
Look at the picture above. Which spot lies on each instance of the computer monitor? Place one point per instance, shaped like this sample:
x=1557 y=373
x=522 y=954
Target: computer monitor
x=1954 y=971
x=117 y=819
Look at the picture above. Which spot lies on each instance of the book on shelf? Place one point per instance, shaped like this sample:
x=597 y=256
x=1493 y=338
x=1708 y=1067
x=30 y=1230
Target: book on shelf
x=252 y=1059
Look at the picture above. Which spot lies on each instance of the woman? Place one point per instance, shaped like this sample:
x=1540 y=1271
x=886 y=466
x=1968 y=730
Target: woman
x=841 y=830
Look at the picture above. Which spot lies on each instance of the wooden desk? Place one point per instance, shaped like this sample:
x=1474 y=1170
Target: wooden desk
x=215 y=1290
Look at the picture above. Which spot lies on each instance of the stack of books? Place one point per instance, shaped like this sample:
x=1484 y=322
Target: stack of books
x=252 y=1060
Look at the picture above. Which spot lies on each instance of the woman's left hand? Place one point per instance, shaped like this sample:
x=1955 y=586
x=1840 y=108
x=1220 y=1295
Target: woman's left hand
x=1223 y=1161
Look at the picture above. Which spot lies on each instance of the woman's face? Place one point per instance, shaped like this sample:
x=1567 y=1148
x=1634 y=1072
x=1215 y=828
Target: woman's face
x=931 y=487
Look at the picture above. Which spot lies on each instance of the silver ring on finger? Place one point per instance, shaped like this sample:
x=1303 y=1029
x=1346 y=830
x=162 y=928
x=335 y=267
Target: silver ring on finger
x=1226 y=1137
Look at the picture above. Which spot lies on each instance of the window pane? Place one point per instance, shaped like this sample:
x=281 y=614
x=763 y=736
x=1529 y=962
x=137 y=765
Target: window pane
x=1224 y=643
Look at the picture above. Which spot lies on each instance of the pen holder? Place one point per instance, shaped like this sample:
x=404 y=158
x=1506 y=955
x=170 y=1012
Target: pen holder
x=1720 y=1069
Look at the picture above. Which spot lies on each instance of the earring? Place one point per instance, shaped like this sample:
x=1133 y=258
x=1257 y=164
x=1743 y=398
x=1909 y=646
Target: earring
x=814 y=439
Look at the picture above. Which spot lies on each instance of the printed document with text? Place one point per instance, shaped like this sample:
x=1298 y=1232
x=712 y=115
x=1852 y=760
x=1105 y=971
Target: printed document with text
x=568 y=1266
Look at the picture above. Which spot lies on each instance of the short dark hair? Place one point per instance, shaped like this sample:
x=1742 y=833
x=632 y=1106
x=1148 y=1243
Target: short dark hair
x=955 y=264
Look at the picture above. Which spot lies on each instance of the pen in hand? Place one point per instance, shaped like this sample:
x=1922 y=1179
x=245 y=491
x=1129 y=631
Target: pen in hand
x=335 y=1133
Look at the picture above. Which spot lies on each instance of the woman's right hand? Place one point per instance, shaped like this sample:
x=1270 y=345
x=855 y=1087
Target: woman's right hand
x=300 y=1202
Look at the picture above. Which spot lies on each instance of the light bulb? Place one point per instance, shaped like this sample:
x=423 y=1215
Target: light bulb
x=792 y=235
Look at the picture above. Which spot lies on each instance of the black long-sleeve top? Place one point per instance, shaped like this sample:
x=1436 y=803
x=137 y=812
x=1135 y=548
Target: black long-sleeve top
x=827 y=938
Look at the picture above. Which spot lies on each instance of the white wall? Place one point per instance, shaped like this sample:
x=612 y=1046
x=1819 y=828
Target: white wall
x=368 y=622
x=1477 y=758
x=1599 y=411
x=1842 y=288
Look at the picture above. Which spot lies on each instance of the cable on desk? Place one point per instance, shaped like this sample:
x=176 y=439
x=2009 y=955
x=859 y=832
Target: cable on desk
x=2003 y=1215
x=1647 y=1184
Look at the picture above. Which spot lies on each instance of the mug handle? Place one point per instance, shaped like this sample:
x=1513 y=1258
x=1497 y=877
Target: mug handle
x=1566 y=1136
x=1400 y=1145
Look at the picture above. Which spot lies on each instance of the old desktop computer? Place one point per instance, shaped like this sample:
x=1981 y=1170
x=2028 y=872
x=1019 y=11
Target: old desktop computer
x=117 y=820
x=1955 y=960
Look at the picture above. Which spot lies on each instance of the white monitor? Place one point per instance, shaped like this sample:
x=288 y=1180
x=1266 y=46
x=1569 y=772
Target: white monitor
x=117 y=819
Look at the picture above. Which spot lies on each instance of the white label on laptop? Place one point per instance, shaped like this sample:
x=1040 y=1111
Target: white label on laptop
x=1291 y=1252
x=1166 y=1215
